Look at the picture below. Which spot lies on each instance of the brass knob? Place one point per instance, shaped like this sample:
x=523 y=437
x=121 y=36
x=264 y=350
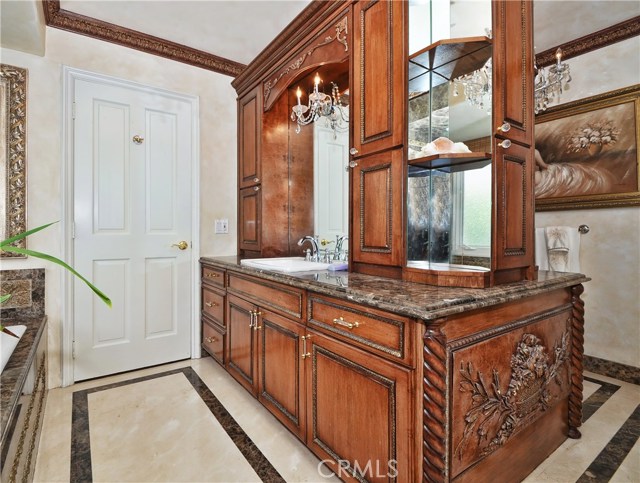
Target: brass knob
x=211 y=275
x=210 y=340
x=138 y=139
x=211 y=304
x=183 y=245
x=506 y=144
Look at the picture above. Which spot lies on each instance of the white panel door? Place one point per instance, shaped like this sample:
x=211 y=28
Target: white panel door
x=132 y=205
x=331 y=182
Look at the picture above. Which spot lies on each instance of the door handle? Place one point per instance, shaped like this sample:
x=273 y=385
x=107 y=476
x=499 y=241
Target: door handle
x=138 y=139
x=183 y=245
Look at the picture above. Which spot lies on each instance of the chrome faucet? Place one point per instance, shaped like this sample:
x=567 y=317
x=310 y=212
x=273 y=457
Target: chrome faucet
x=339 y=241
x=314 y=246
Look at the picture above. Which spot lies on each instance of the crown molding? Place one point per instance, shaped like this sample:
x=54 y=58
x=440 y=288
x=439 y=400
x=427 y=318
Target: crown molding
x=91 y=27
x=616 y=33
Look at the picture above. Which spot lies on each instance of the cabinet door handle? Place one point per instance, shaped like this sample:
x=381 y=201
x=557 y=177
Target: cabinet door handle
x=506 y=144
x=251 y=316
x=305 y=354
x=256 y=180
x=256 y=188
x=353 y=151
x=344 y=323
x=505 y=127
x=211 y=304
x=210 y=340
x=256 y=314
x=211 y=275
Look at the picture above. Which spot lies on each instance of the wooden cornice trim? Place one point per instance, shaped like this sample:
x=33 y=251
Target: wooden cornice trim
x=616 y=33
x=91 y=27
x=281 y=47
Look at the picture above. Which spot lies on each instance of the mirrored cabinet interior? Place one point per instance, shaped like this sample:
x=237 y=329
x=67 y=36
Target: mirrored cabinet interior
x=428 y=171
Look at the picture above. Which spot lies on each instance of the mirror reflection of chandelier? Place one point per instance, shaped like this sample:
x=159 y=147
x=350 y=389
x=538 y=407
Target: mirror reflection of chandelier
x=476 y=87
x=549 y=84
x=321 y=105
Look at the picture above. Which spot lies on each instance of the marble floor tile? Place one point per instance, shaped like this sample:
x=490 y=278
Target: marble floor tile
x=190 y=421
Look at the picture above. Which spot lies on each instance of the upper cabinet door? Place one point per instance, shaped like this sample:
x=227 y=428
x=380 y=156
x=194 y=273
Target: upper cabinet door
x=249 y=126
x=513 y=69
x=379 y=75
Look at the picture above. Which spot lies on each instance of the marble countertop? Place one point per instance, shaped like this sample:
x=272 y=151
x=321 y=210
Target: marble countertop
x=426 y=302
x=15 y=372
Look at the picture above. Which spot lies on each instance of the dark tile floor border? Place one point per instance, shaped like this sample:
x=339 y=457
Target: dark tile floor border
x=81 y=449
x=598 y=398
x=615 y=370
x=604 y=466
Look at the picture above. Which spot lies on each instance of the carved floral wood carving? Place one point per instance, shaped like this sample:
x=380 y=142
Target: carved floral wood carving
x=495 y=414
x=341 y=36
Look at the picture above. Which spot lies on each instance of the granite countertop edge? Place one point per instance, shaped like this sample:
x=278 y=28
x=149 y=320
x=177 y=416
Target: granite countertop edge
x=424 y=306
x=15 y=372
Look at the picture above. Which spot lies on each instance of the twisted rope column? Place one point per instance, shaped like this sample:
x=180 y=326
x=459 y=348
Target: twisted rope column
x=577 y=351
x=434 y=414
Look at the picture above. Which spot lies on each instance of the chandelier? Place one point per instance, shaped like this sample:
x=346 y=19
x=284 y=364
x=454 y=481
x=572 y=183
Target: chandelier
x=549 y=84
x=321 y=105
x=476 y=87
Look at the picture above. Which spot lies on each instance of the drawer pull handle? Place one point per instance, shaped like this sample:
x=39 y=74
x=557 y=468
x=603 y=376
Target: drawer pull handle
x=212 y=275
x=305 y=354
x=256 y=314
x=346 y=324
x=211 y=304
x=210 y=340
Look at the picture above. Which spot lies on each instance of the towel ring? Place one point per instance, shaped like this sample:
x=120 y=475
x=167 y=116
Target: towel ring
x=583 y=229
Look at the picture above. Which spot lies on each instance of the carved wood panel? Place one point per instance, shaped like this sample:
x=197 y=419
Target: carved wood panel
x=505 y=383
x=249 y=128
x=249 y=211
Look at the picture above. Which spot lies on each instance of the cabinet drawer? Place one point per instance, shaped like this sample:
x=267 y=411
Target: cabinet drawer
x=281 y=298
x=213 y=341
x=213 y=276
x=213 y=304
x=375 y=330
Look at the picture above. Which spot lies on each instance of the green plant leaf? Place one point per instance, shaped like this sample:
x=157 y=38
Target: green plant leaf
x=57 y=261
x=25 y=234
x=4 y=298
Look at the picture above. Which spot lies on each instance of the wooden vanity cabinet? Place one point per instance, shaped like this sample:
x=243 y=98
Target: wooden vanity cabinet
x=250 y=219
x=379 y=76
x=249 y=133
x=212 y=313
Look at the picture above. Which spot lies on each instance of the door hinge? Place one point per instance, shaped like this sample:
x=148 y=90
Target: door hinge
x=73 y=110
x=73 y=349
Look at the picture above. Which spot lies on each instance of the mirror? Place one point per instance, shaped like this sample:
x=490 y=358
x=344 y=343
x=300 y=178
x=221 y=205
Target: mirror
x=449 y=135
x=319 y=158
x=13 y=118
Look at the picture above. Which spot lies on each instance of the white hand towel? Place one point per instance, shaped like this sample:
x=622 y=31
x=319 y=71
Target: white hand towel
x=563 y=248
x=541 y=250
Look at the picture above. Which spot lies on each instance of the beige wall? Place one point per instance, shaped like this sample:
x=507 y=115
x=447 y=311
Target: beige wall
x=44 y=159
x=610 y=252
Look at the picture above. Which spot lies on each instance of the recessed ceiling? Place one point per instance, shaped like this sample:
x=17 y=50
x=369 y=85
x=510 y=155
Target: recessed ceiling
x=235 y=30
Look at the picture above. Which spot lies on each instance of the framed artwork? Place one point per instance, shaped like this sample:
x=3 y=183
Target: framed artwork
x=587 y=152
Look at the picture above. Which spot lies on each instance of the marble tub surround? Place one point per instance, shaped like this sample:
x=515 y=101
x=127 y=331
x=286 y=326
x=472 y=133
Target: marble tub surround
x=616 y=370
x=26 y=287
x=425 y=302
x=15 y=372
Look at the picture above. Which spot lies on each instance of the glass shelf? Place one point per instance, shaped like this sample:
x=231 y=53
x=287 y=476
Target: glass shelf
x=453 y=162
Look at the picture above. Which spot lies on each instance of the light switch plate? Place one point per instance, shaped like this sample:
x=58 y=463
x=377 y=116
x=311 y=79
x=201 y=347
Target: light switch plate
x=222 y=226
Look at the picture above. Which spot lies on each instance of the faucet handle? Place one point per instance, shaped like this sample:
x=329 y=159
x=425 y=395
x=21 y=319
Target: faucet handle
x=307 y=254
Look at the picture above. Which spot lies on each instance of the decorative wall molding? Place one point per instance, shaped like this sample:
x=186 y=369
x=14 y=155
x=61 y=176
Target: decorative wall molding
x=616 y=33
x=91 y=27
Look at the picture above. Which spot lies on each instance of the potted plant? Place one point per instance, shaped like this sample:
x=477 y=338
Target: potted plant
x=6 y=245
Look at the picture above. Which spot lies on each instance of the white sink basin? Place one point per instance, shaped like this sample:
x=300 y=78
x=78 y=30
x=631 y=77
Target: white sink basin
x=286 y=264
x=9 y=343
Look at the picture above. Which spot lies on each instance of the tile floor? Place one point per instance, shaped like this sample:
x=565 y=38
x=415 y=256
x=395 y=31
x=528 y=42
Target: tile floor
x=189 y=421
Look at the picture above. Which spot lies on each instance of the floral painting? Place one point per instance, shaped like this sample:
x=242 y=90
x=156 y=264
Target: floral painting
x=587 y=153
